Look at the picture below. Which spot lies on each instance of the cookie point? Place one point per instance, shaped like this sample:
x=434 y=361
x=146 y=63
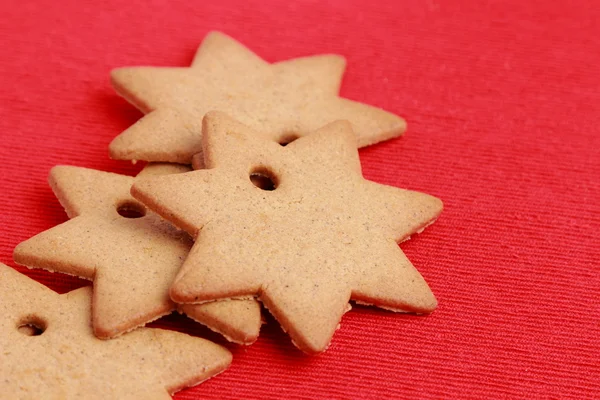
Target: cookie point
x=214 y=115
x=113 y=149
x=340 y=60
x=397 y=126
x=251 y=337
x=312 y=347
x=435 y=204
x=101 y=333
x=434 y=304
x=438 y=204
x=19 y=251
x=57 y=170
x=117 y=150
x=140 y=187
x=428 y=302
x=214 y=34
x=117 y=76
x=178 y=292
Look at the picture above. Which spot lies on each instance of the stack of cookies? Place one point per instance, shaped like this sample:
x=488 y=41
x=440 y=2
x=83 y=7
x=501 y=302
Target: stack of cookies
x=253 y=194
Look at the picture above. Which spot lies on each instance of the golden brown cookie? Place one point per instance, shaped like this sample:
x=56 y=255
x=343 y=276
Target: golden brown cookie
x=131 y=254
x=282 y=100
x=49 y=350
x=298 y=226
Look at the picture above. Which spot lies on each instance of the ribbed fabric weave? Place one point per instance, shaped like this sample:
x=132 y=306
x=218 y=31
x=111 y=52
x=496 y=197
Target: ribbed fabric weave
x=502 y=100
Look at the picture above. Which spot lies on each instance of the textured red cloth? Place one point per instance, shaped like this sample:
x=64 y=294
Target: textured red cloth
x=502 y=100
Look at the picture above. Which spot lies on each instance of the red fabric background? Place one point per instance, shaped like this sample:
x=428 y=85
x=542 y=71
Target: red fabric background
x=502 y=101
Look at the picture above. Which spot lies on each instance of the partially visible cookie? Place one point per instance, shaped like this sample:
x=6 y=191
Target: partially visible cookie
x=283 y=100
x=298 y=226
x=131 y=254
x=49 y=350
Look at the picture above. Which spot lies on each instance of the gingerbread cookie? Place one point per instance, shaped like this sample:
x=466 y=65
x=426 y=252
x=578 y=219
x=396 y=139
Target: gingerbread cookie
x=284 y=100
x=131 y=254
x=49 y=350
x=297 y=226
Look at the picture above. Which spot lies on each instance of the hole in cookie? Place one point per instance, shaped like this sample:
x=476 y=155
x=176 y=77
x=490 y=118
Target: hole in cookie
x=32 y=326
x=131 y=209
x=287 y=139
x=263 y=178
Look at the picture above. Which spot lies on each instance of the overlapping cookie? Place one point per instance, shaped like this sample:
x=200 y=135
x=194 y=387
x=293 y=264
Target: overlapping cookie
x=281 y=213
x=131 y=254
x=49 y=350
x=297 y=226
x=284 y=100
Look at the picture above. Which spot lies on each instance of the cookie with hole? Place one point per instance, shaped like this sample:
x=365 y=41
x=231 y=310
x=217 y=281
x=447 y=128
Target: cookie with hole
x=296 y=226
x=130 y=253
x=50 y=351
x=285 y=100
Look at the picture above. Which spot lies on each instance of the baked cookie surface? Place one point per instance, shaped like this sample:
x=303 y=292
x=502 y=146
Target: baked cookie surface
x=49 y=350
x=298 y=226
x=283 y=100
x=130 y=253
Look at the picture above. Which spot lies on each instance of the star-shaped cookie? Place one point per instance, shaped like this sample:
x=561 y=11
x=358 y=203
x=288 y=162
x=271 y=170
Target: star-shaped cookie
x=131 y=254
x=48 y=350
x=283 y=100
x=298 y=226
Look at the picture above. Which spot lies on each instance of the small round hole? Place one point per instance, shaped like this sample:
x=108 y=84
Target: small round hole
x=287 y=139
x=32 y=326
x=131 y=209
x=263 y=179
